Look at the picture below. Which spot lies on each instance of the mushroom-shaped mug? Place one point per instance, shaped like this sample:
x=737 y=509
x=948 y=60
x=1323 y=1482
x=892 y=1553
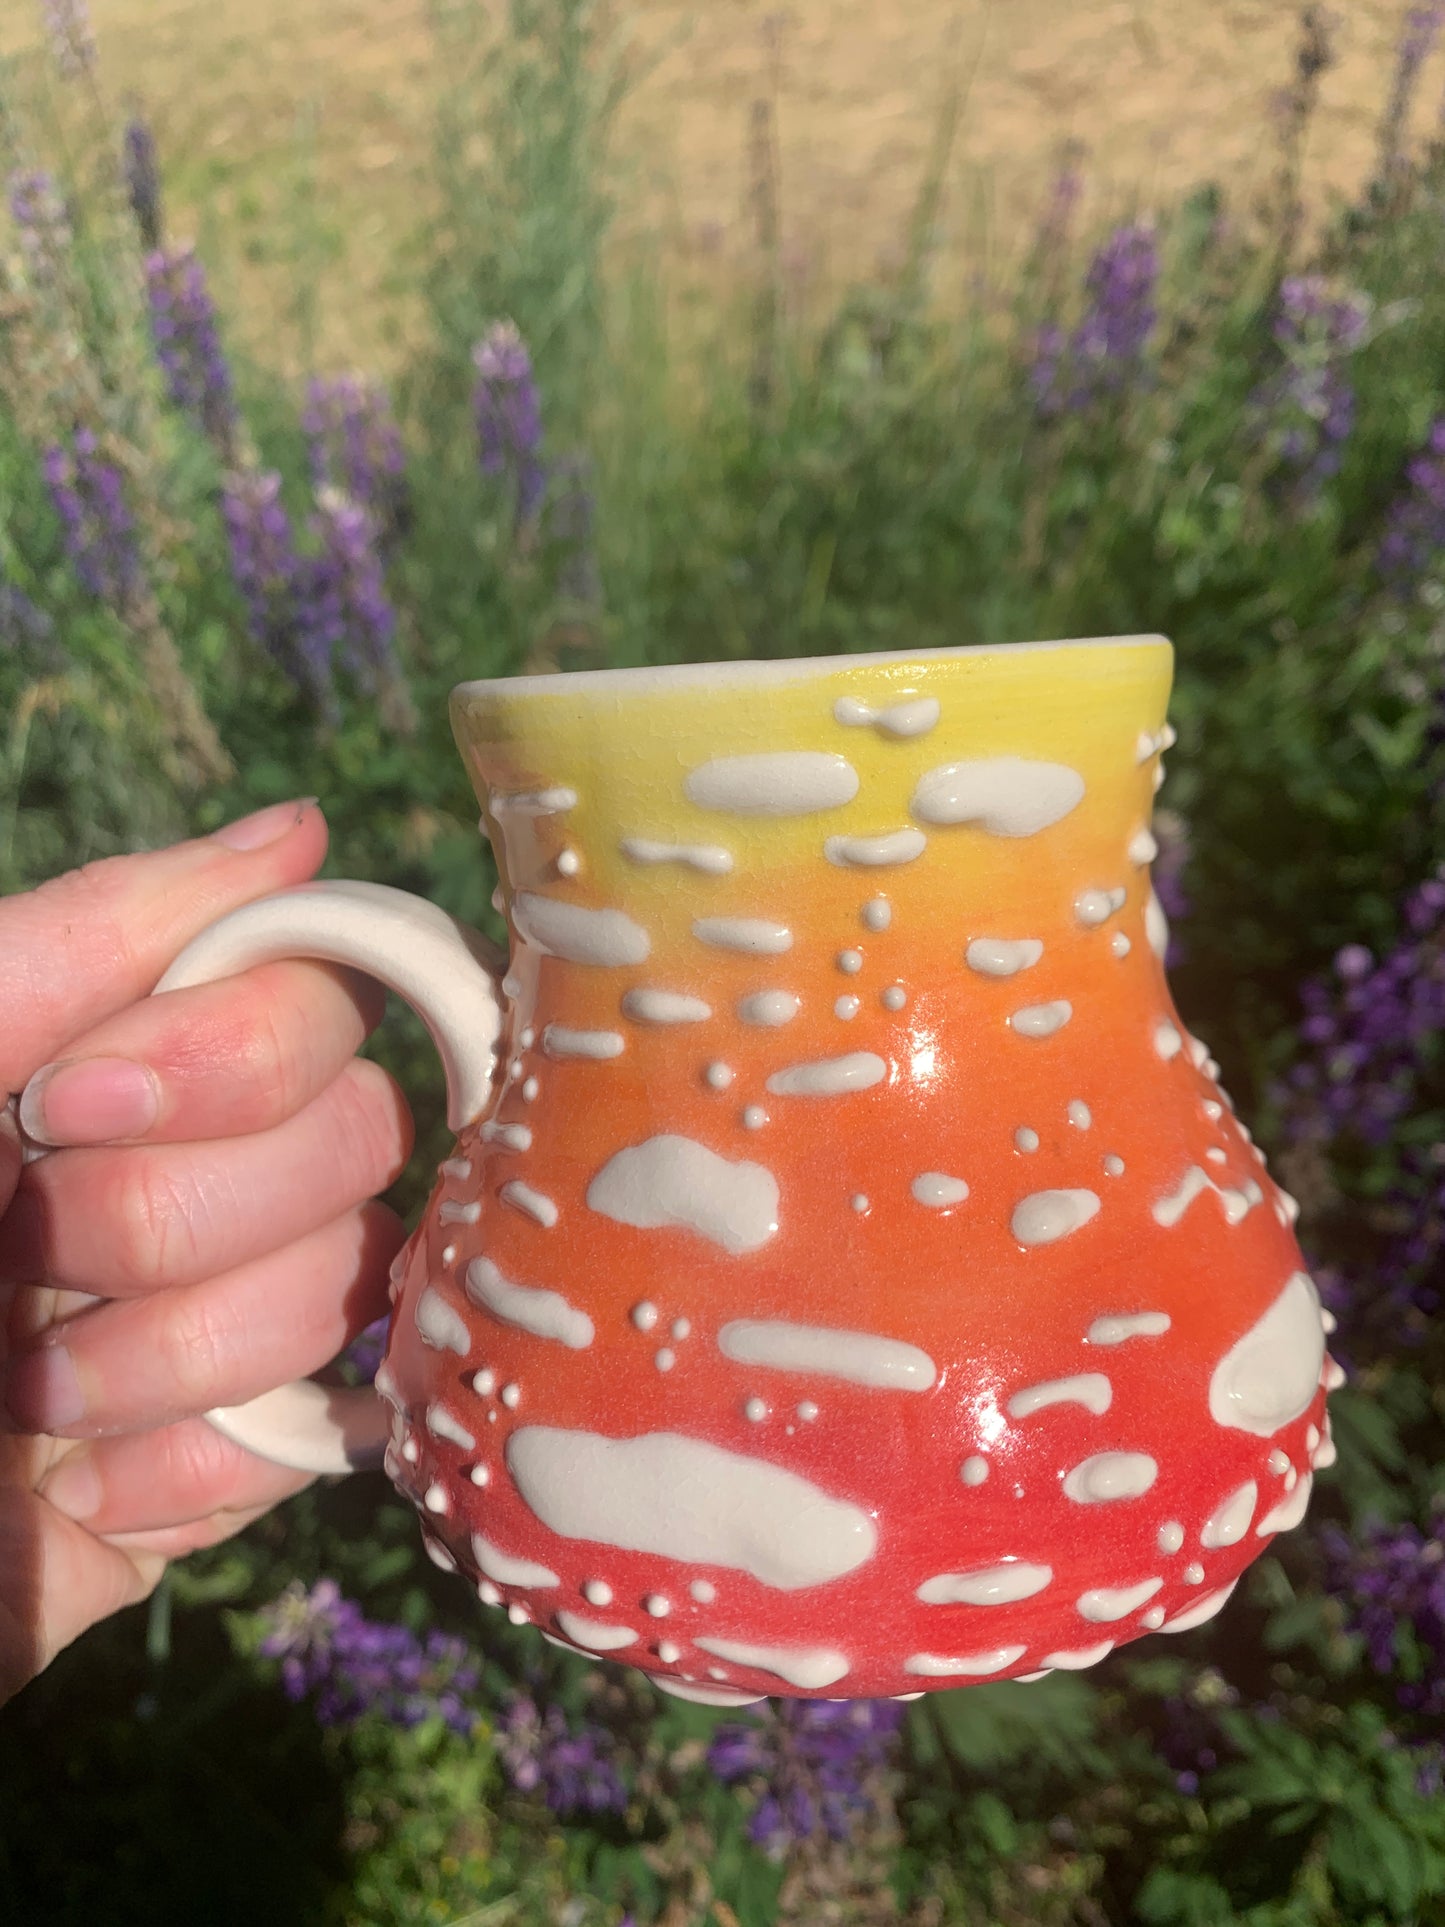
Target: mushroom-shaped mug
x=849 y=1278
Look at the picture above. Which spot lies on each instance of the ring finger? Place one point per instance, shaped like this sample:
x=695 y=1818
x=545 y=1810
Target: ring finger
x=132 y=1365
x=153 y=1482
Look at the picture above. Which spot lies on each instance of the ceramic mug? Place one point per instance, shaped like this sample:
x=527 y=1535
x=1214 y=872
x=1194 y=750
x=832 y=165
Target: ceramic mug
x=850 y=1278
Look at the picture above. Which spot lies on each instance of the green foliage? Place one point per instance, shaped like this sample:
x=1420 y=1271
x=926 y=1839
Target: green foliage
x=897 y=487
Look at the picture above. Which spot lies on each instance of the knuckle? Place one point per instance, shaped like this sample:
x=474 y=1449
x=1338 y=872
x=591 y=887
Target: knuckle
x=155 y=1223
x=374 y=1126
x=199 y=1343
x=202 y=1465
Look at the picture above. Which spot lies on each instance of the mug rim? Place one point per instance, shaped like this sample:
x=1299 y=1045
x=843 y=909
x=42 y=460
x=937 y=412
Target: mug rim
x=774 y=669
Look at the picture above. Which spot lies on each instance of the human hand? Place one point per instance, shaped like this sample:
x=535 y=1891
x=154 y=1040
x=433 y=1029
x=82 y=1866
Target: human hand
x=202 y=1231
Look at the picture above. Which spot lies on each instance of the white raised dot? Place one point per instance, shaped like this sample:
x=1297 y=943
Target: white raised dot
x=484 y=1382
x=1215 y=1155
x=594 y=1633
x=511 y=1396
x=850 y=962
x=1229 y=1521
x=452 y=1213
x=894 y=997
x=443 y=1424
x=718 y=1076
x=1312 y=1438
x=597 y=1592
x=1153 y=1619
x=703 y=1591
x=769 y=1008
x=937 y=1189
x=669 y=1652
x=1171 y=1536
x=754 y=1117
x=847 y=1007
x=859 y=1201
x=1079 y=1114
x=558 y=1040
x=773 y=783
x=1092 y=907
x=1194 y=1574
x=1287 y=1514
x=1044 y=1217
x=531 y=1203
x=529 y=1090
x=439 y=1327
x=1042 y=1020
x=1026 y=1139
x=568 y=863
x=656 y=1606
x=488 y=1593
x=1120 y=944
x=410 y=1451
x=1005 y=795
x=681 y=1327
x=1113 y=1165
x=458 y=1168
x=1106 y=1603
x=545 y=1314
x=605 y=938
x=829 y=1076
x=1075 y=1662
x=1167 y=1041
x=449 y=1254
x=1201 y=1610
x=670 y=1181
x=480 y=1475
x=1002 y=956
x=512 y=1137
x=1109 y=1476
x=1142 y=848
x=644 y=1315
x=877 y=913
x=807 y=1410
x=665 y=1359
x=974 y=1470
x=756 y=1410
x=875 y=852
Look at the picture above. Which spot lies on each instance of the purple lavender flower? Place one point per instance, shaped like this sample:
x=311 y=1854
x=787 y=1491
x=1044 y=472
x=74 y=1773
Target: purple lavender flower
x=1189 y=1738
x=1391 y=1580
x=574 y=1771
x=1420 y=32
x=361 y=1360
x=25 y=627
x=188 y=343
x=88 y=495
x=269 y=575
x=355 y=1666
x=1105 y=353
x=72 y=41
x=815 y=1763
x=140 y=169
x=42 y=222
x=350 y=610
x=509 y=416
x=1306 y=410
x=1413 y=545
x=356 y=447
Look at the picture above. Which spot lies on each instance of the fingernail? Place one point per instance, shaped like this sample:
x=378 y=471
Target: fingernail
x=42 y=1390
x=265 y=826
x=91 y=1102
x=74 y=1487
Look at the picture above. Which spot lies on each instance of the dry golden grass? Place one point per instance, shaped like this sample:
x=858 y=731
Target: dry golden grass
x=292 y=127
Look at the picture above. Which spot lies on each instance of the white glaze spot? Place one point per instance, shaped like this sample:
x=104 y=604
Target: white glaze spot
x=877 y=913
x=1006 y=795
x=649 y=1006
x=1079 y=1114
x=1290 y=1510
x=943 y=1666
x=484 y=1382
x=435 y=1498
x=443 y=1424
x=859 y=1201
x=511 y=1396
x=755 y=1410
x=1092 y=1390
x=829 y=1076
x=669 y=1652
x=450 y=1212
x=999 y=1585
x=656 y=1606
x=1042 y=1020
x=1142 y=847
x=640 y=1495
x=894 y=997
x=1156 y=929
x=1075 y=1662
x=545 y=1314
x=806 y=1666
x=974 y=1470
x=754 y=1117
x=912 y=717
x=1194 y=1573
x=711 y=858
x=664 y=1358
x=512 y=1137
x=1026 y=1139
x=507 y=1568
x=532 y=1204
x=1269 y=1375
x=1106 y=1603
x=769 y=1008
x=875 y=852
x=439 y=1326
x=718 y=1076
x=807 y=1410
x=597 y=1636
x=1116 y=1328
x=1201 y=1610
x=1153 y=1619
x=607 y=938
x=850 y=962
x=1113 y=1165
x=547 y=802
x=859 y=1357
x=703 y=1591
x=597 y=1592
x=568 y=863
x=1230 y=1519
x=1044 y=1217
x=1171 y=1536
x=558 y=1040
x=1093 y=907
x=1002 y=956
x=674 y=1181
x=753 y=936
x=846 y=1007
x=1167 y=1041
x=1120 y=944
x=798 y=782
x=936 y=1189
x=644 y=1315
x=1111 y=1475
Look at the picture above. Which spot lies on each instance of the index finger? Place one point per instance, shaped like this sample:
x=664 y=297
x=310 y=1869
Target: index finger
x=89 y=943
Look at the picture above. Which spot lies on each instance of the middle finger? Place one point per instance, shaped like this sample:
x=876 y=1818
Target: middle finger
x=122 y=1222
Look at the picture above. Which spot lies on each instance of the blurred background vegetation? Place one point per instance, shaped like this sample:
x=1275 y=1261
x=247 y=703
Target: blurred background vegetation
x=348 y=351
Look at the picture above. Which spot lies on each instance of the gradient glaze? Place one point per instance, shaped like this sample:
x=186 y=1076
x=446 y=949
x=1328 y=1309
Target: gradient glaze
x=1069 y=1079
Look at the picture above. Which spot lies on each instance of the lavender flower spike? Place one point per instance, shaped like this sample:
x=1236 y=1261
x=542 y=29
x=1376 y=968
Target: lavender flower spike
x=1412 y=548
x=509 y=416
x=188 y=343
x=356 y=1666
x=1306 y=411
x=268 y=574
x=42 y=223
x=356 y=447
x=72 y=40
x=88 y=494
x=1105 y=352
x=350 y=607
x=817 y=1764
x=574 y=1772
x=141 y=172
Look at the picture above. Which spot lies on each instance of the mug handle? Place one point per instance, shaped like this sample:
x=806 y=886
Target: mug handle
x=448 y=974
